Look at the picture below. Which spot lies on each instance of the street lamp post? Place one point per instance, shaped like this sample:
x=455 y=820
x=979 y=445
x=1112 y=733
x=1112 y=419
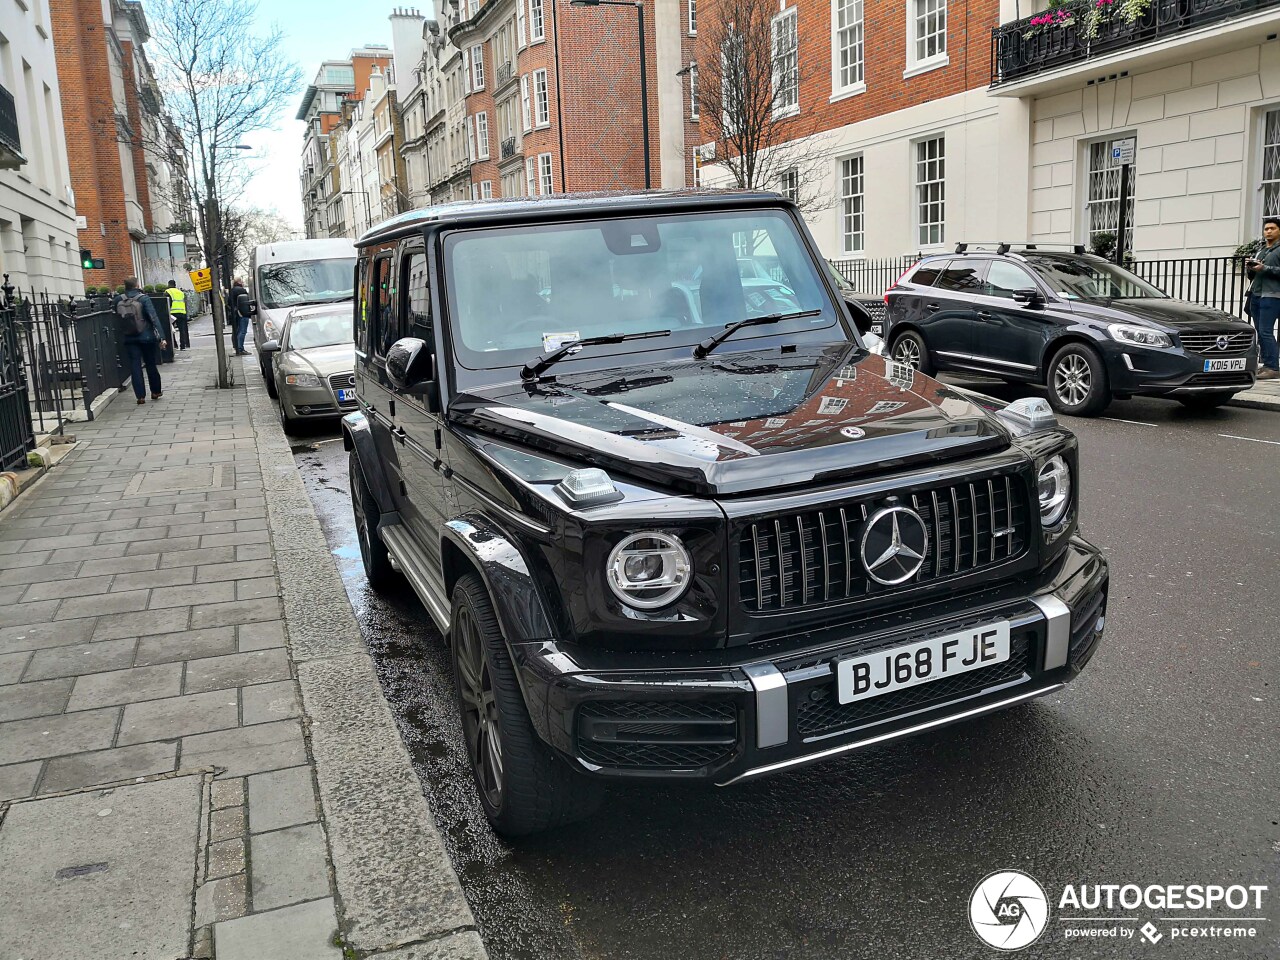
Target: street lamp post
x=644 y=77
x=368 y=220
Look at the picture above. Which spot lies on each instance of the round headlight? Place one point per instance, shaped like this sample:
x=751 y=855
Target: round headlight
x=649 y=570
x=1054 y=488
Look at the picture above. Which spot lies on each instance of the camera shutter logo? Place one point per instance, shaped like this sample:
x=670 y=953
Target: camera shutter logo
x=1008 y=910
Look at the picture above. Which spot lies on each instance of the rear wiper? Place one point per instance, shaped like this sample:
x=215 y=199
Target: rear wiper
x=543 y=362
x=706 y=346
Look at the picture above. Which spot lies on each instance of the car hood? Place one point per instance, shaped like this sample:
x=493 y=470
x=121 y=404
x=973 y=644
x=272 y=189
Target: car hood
x=323 y=361
x=1169 y=316
x=741 y=422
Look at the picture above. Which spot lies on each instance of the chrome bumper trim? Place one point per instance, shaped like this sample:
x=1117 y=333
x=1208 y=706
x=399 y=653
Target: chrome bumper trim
x=1058 y=641
x=896 y=734
x=771 y=703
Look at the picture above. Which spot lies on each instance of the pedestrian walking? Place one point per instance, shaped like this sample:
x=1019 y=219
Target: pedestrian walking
x=178 y=313
x=143 y=337
x=1264 y=298
x=238 y=312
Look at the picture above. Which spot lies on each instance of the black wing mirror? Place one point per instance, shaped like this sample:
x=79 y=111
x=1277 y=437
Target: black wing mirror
x=860 y=315
x=1030 y=296
x=411 y=369
x=253 y=308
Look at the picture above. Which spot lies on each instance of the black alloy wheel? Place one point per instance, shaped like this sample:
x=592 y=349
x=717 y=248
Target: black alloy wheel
x=373 y=552
x=523 y=786
x=1077 y=381
x=909 y=350
x=270 y=379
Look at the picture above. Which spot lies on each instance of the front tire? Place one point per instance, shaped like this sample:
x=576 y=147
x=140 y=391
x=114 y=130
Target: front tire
x=373 y=552
x=1206 y=401
x=909 y=350
x=270 y=379
x=1077 y=381
x=524 y=788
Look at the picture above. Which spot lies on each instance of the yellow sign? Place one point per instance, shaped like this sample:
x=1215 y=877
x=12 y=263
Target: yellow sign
x=202 y=280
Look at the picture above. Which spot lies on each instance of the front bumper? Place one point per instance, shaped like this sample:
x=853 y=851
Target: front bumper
x=734 y=716
x=1173 y=371
x=313 y=403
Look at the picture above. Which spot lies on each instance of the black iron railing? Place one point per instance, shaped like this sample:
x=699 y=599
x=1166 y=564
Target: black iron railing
x=10 y=140
x=874 y=277
x=504 y=72
x=508 y=148
x=1081 y=31
x=17 y=437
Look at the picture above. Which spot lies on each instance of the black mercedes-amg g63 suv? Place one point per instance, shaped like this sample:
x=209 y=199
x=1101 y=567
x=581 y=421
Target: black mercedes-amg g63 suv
x=675 y=525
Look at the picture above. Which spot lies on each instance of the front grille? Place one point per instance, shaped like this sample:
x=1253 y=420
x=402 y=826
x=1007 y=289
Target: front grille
x=343 y=381
x=660 y=734
x=819 y=712
x=877 y=310
x=811 y=558
x=1232 y=378
x=1207 y=343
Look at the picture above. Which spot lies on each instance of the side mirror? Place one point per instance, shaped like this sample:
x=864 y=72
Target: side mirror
x=271 y=346
x=253 y=308
x=1030 y=296
x=411 y=369
x=860 y=316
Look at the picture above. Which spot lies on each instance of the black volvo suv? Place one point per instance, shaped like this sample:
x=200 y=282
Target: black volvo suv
x=691 y=544
x=1087 y=329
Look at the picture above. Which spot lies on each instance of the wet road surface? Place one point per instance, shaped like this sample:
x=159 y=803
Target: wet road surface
x=1158 y=765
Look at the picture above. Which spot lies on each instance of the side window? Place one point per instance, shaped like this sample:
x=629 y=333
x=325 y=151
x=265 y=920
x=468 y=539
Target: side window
x=927 y=275
x=1004 y=278
x=415 y=303
x=362 y=308
x=381 y=315
x=962 y=276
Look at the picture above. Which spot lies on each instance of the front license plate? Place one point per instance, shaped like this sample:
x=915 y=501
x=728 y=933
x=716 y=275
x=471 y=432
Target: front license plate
x=860 y=678
x=346 y=395
x=1224 y=366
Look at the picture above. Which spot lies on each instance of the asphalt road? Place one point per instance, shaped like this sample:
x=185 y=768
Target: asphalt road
x=1158 y=766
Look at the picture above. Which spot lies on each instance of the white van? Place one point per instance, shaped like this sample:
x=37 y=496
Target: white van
x=290 y=274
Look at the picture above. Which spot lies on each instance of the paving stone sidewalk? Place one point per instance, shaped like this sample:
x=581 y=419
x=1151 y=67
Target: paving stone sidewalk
x=144 y=634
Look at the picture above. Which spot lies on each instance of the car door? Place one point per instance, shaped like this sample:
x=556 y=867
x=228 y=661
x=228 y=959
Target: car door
x=419 y=439
x=1009 y=336
x=949 y=319
x=376 y=330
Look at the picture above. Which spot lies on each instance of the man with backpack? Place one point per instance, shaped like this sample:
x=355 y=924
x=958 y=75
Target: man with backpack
x=238 y=315
x=142 y=336
x=178 y=313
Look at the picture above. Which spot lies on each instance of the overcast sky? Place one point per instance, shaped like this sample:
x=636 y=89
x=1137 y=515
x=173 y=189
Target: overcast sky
x=315 y=30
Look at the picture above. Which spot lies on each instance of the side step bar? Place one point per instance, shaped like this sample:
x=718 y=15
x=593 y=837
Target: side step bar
x=414 y=566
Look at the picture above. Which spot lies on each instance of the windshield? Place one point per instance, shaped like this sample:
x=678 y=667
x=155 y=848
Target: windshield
x=324 y=331
x=1078 y=279
x=305 y=281
x=520 y=291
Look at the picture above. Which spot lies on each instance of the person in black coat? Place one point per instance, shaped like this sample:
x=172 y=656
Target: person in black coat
x=238 y=314
x=143 y=344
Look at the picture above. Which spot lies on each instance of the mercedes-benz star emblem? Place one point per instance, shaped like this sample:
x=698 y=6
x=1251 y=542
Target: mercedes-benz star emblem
x=894 y=545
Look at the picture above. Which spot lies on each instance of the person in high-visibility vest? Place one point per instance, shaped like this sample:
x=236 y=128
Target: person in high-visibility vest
x=178 y=313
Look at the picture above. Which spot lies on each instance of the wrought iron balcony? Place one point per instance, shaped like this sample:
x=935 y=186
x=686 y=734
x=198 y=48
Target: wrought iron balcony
x=508 y=148
x=11 y=157
x=1084 y=30
x=504 y=73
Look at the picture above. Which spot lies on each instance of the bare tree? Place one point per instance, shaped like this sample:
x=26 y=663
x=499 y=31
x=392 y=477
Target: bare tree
x=245 y=228
x=749 y=78
x=222 y=80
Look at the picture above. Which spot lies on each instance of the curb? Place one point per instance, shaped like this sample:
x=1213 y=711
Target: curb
x=1259 y=401
x=397 y=890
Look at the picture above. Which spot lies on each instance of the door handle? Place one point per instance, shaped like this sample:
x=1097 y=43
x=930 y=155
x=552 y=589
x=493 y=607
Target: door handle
x=984 y=316
x=932 y=306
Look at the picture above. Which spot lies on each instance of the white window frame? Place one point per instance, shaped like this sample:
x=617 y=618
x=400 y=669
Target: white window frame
x=693 y=92
x=541 y=99
x=1101 y=209
x=486 y=189
x=537 y=22
x=466 y=72
x=526 y=114
x=852 y=36
x=789 y=184
x=477 y=67
x=915 y=63
x=531 y=176
x=693 y=18
x=471 y=144
x=697 y=168
x=852 y=221
x=1268 y=186
x=786 y=75
x=473 y=7
x=922 y=181
x=546 y=180
x=482 y=135
x=521 y=43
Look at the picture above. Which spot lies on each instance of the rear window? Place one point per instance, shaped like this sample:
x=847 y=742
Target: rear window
x=927 y=273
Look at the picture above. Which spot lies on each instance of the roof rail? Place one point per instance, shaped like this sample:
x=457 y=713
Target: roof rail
x=984 y=246
x=1078 y=248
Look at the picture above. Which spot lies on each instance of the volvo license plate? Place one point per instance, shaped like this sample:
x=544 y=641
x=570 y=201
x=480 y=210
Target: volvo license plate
x=1224 y=366
x=860 y=678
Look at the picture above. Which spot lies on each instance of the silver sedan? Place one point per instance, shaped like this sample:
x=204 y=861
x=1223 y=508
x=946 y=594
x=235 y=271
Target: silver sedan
x=313 y=364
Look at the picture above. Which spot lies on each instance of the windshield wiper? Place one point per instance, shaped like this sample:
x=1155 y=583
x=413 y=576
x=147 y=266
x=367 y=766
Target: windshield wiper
x=706 y=346
x=540 y=364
